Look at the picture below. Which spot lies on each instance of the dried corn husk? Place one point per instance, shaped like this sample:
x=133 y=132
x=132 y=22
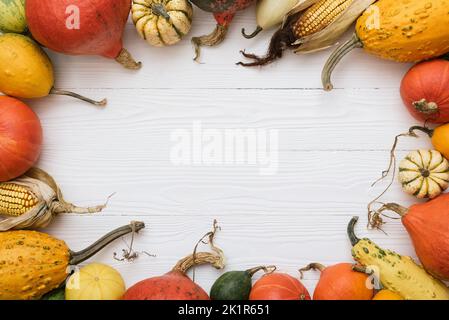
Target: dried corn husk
x=50 y=202
x=330 y=35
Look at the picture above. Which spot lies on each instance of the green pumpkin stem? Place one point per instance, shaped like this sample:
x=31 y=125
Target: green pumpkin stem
x=351 y=233
x=101 y=103
x=336 y=57
x=83 y=255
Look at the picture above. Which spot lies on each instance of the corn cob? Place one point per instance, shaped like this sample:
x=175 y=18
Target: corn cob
x=319 y=16
x=16 y=200
x=32 y=201
x=300 y=25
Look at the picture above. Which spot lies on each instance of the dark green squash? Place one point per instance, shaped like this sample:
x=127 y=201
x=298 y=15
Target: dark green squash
x=236 y=285
x=57 y=294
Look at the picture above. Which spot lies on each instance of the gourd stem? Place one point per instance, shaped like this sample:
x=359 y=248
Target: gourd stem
x=101 y=103
x=426 y=130
x=423 y=106
x=210 y=40
x=335 y=58
x=83 y=255
x=400 y=210
x=266 y=269
x=252 y=35
x=126 y=59
x=351 y=234
x=216 y=259
x=159 y=10
x=312 y=266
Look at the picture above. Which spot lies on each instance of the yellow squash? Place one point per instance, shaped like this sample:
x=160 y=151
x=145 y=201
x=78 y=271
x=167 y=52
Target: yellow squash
x=26 y=70
x=387 y=295
x=399 y=274
x=95 y=281
x=401 y=30
x=33 y=263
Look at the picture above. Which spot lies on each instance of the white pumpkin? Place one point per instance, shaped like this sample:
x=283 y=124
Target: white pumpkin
x=424 y=174
x=95 y=281
x=162 y=22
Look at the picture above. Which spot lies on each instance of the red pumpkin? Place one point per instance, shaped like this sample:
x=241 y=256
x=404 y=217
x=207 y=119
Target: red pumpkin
x=428 y=226
x=176 y=285
x=425 y=91
x=279 y=286
x=81 y=27
x=340 y=282
x=20 y=138
x=224 y=12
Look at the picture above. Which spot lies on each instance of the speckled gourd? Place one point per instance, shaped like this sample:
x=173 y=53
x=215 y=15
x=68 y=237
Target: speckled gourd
x=397 y=273
x=34 y=263
x=402 y=31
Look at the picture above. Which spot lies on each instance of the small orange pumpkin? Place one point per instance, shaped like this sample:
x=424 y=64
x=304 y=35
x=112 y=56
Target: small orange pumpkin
x=340 y=282
x=387 y=295
x=279 y=286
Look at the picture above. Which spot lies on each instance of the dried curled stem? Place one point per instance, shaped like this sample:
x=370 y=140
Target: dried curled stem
x=374 y=215
x=266 y=269
x=311 y=266
x=215 y=258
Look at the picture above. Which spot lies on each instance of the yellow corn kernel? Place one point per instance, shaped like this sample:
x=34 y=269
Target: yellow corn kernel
x=319 y=16
x=15 y=200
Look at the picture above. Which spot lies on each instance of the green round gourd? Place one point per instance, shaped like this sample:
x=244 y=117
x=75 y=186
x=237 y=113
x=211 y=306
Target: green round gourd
x=236 y=285
x=233 y=285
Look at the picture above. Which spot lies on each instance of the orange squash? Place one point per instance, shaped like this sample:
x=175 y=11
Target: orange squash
x=387 y=295
x=340 y=282
x=428 y=227
x=279 y=286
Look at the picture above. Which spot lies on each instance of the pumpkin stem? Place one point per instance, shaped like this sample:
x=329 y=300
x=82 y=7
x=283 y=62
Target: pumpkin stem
x=336 y=57
x=351 y=233
x=426 y=107
x=126 y=59
x=373 y=216
x=252 y=35
x=159 y=10
x=216 y=259
x=375 y=219
x=83 y=255
x=311 y=266
x=411 y=131
x=215 y=38
x=101 y=103
x=266 y=269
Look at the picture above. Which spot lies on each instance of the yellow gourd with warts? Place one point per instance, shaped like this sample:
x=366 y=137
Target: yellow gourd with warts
x=402 y=31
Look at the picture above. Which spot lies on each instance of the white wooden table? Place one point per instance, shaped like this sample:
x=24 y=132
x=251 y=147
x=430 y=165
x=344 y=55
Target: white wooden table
x=332 y=146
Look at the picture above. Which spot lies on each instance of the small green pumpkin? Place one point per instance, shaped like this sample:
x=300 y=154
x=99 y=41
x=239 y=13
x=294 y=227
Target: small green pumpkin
x=236 y=285
x=12 y=16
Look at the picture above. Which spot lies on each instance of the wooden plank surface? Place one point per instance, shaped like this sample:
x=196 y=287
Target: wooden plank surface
x=330 y=148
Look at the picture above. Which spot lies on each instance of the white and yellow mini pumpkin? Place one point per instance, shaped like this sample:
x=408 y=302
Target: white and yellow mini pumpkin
x=162 y=22
x=424 y=173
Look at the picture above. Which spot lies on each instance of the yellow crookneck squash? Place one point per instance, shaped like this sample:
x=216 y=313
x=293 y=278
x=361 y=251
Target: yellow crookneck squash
x=398 y=30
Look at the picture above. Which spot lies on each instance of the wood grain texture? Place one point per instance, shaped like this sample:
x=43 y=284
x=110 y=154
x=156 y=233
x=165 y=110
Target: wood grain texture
x=332 y=146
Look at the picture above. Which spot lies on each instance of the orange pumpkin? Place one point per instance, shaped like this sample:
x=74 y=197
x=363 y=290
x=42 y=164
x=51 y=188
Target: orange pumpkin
x=387 y=295
x=428 y=226
x=425 y=91
x=340 y=282
x=279 y=286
